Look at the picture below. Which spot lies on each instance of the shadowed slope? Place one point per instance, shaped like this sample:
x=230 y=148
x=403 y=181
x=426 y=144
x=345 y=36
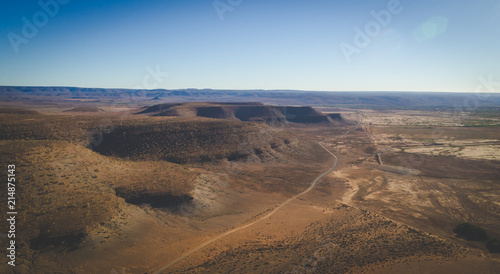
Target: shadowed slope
x=198 y=141
x=273 y=115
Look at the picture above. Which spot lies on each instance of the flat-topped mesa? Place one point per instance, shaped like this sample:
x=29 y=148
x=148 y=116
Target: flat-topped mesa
x=161 y=109
x=304 y=115
x=336 y=117
x=85 y=109
x=256 y=112
x=17 y=111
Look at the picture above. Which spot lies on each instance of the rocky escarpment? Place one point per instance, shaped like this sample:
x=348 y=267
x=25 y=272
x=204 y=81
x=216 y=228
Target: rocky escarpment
x=257 y=112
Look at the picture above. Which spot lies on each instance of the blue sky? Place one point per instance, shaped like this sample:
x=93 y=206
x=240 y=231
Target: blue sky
x=425 y=45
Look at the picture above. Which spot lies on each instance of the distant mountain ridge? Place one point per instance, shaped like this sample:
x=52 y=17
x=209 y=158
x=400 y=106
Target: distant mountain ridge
x=138 y=97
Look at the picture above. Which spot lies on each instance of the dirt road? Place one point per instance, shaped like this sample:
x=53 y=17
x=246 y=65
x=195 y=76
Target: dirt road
x=208 y=242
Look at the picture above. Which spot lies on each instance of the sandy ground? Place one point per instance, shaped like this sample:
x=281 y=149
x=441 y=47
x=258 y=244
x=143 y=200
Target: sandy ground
x=291 y=240
x=361 y=218
x=476 y=149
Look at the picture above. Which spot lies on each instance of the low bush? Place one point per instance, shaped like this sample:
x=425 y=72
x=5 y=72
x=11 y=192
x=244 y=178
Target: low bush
x=471 y=232
x=493 y=245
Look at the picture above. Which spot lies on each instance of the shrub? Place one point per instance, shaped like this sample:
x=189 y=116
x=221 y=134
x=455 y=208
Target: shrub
x=471 y=232
x=370 y=150
x=493 y=245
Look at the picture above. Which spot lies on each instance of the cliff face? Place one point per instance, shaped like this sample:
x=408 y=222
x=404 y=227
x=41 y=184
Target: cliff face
x=245 y=112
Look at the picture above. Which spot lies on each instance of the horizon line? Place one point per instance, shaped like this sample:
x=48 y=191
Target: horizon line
x=256 y=89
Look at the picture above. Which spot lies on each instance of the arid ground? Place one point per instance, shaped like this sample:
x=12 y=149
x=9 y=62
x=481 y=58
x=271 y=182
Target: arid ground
x=112 y=189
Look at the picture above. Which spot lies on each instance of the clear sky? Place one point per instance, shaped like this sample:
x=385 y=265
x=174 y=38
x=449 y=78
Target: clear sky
x=342 y=45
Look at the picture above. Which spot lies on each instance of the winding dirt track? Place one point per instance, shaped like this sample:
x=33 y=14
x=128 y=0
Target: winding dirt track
x=208 y=242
